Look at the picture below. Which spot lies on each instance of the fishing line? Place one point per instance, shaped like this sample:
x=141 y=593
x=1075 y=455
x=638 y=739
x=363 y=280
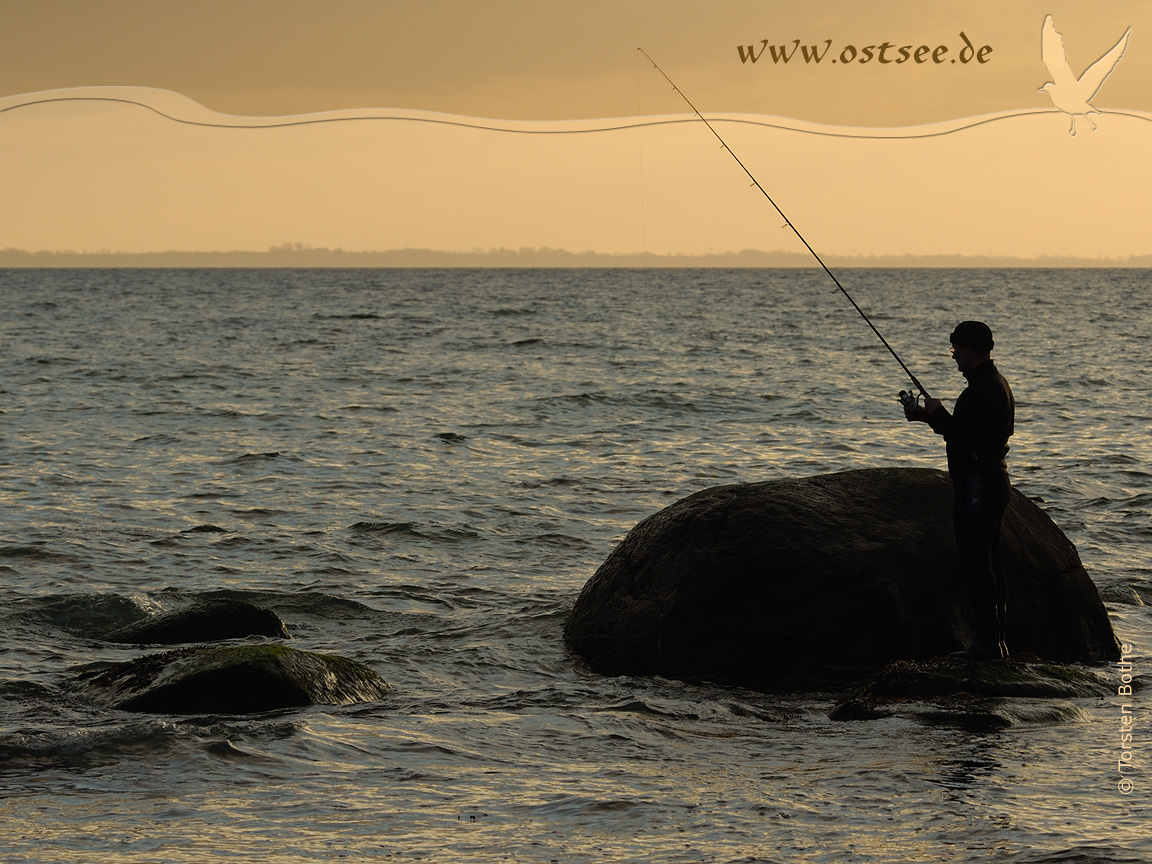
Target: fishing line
x=640 y=147
x=787 y=222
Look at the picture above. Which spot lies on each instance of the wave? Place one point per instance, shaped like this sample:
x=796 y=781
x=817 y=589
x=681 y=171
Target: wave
x=178 y=108
x=36 y=550
x=443 y=533
x=86 y=747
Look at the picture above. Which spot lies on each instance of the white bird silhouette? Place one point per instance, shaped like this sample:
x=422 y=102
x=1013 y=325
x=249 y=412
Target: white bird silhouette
x=1067 y=92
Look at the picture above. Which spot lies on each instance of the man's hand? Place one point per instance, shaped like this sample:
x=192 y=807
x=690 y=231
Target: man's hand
x=915 y=413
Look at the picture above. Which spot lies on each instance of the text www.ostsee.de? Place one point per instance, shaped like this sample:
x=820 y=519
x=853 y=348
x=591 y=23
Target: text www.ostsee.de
x=885 y=53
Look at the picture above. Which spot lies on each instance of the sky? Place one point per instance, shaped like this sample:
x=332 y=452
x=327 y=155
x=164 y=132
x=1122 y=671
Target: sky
x=960 y=156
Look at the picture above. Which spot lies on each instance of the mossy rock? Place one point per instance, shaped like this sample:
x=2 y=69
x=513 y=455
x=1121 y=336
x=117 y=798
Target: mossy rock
x=973 y=695
x=210 y=620
x=236 y=679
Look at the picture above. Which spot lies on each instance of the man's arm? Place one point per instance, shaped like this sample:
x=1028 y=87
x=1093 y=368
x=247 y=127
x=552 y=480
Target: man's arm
x=978 y=426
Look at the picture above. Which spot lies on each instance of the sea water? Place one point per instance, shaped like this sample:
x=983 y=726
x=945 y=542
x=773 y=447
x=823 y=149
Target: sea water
x=420 y=469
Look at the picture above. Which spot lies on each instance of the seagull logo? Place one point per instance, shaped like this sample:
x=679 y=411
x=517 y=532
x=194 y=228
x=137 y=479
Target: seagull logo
x=1070 y=94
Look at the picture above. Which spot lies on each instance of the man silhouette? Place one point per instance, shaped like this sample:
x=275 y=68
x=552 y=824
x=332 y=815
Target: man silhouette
x=976 y=434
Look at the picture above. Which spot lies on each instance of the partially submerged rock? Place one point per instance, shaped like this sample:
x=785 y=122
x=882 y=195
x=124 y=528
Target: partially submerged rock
x=975 y=695
x=238 y=679
x=812 y=582
x=209 y=620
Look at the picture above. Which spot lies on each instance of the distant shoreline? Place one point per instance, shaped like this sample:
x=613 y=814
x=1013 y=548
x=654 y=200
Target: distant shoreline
x=299 y=256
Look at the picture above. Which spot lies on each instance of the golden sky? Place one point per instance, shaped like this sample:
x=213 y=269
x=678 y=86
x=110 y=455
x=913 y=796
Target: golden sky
x=71 y=165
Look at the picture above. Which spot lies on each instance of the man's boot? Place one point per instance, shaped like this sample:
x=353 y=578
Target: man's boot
x=985 y=644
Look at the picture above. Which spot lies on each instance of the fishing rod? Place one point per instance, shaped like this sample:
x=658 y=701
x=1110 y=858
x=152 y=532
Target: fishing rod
x=907 y=397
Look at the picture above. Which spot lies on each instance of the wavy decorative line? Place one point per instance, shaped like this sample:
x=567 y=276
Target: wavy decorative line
x=138 y=97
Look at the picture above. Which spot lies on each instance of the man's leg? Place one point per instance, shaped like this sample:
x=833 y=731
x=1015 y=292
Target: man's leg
x=977 y=520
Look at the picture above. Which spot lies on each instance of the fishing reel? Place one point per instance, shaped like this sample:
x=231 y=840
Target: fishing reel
x=909 y=398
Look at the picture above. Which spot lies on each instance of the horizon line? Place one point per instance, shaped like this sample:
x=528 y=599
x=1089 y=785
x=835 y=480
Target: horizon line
x=301 y=255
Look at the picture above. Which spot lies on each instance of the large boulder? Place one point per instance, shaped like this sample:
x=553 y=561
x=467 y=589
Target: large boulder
x=236 y=679
x=208 y=620
x=808 y=582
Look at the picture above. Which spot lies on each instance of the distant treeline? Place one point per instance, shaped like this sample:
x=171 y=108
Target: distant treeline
x=299 y=255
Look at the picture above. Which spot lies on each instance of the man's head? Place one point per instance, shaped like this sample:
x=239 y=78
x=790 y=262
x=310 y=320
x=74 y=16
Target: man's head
x=972 y=344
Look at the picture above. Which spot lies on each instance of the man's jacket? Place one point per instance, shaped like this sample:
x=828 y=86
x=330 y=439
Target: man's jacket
x=977 y=431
